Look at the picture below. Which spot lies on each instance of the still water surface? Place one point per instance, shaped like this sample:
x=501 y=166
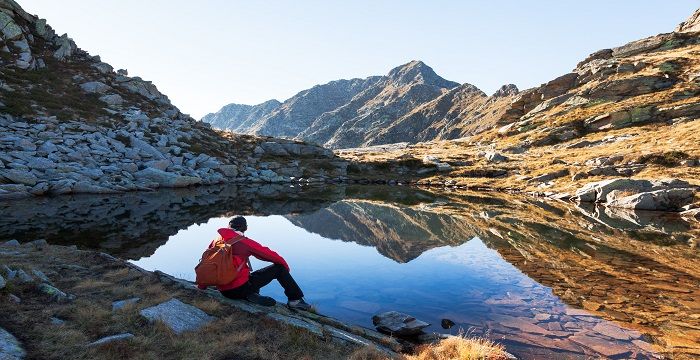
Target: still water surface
x=547 y=279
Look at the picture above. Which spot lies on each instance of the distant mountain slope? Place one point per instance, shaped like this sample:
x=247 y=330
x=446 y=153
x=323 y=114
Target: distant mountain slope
x=345 y=113
x=238 y=117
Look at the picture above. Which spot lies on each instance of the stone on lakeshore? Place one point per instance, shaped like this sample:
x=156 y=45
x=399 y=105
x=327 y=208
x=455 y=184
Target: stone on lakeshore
x=11 y=243
x=166 y=179
x=19 y=176
x=111 y=339
x=598 y=191
x=229 y=170
x=659 y=200
x=55 y=294
x=38 y=244
x=309 y=325
x=10 y=347
x=120 y=304
x=398 y=324
x=178 y=316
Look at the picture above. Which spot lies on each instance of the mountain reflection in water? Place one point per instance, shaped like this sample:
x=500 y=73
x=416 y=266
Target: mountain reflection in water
x=508 y=267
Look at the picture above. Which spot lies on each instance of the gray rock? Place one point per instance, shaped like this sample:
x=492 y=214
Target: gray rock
x=309 y=325
x=37 y=244
x=95 y=87
x=495 y=157
x=275 y=149
x=166 y=179
x=112 y=99
x=111 y=339
x=398 y=324
x=9 y=273
x=14 y=298
x=146 y=148
x=598 y=191
x=23 y=277
x=66 y=47
x=118 y=305
x=40 y=275
x=2 y=282
x=10 y=347
x=55 y=294
x=56 y=321
x=659 y=200
x=12 y=242
x=178 y=316
x=230 y=171
x=10 y=30
x=19 y=176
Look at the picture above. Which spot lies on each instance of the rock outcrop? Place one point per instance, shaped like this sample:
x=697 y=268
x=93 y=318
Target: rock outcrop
x=70 y=124
x=656 y=195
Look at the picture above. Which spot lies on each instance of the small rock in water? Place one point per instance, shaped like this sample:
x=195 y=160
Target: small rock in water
x=447 y=323
x=117 y=305
x=398 y=324
x=111 y=339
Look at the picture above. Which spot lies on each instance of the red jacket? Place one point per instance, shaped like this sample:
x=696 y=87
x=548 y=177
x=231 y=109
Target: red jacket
x=242 y=249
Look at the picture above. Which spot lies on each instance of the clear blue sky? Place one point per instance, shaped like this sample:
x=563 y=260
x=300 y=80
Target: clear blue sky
x=205 y=54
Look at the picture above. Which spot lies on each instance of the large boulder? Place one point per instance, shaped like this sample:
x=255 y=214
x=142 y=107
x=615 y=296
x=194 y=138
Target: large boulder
x=398 y=324
x=598 y=191
x=178 y=316
x=166 y=179
x=659 y=200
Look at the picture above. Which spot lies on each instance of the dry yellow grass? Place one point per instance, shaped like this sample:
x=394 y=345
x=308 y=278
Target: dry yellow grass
x=460 y=348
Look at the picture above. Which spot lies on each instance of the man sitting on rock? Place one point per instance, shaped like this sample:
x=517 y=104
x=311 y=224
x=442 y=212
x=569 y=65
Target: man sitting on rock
x=247 y=284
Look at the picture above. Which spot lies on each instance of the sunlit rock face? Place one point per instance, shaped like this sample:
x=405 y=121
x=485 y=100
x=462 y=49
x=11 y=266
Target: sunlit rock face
x=70 y=124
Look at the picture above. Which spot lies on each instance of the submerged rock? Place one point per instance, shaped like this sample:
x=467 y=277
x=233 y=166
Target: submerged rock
x=398 y=324
x=178 y=316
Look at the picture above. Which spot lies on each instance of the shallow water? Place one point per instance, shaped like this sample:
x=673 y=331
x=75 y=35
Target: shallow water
x=517 y=270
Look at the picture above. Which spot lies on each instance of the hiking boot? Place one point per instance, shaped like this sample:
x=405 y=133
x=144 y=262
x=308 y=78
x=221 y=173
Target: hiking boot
x=261 y=300
x=299 y=305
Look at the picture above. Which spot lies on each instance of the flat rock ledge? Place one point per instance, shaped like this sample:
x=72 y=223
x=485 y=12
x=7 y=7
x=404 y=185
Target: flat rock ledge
x=319 y=325
x=10 y=348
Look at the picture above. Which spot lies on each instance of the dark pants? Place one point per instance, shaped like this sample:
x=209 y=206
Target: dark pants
x=264 y=276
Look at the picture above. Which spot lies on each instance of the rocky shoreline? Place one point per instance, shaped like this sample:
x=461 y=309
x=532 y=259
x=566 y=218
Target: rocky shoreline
x=52 y=283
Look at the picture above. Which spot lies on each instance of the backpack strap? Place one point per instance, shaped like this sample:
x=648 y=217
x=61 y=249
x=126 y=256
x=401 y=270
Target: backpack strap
x=237 y=239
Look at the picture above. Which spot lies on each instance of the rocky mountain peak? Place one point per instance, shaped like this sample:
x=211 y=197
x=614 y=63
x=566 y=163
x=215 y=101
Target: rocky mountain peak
x=417 y=72
x=506 y=90
x=692 y=24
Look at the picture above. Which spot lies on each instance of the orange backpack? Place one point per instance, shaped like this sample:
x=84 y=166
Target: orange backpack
x=217 y=265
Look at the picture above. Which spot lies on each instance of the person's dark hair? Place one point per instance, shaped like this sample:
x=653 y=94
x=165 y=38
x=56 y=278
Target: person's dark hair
x=238 y=223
